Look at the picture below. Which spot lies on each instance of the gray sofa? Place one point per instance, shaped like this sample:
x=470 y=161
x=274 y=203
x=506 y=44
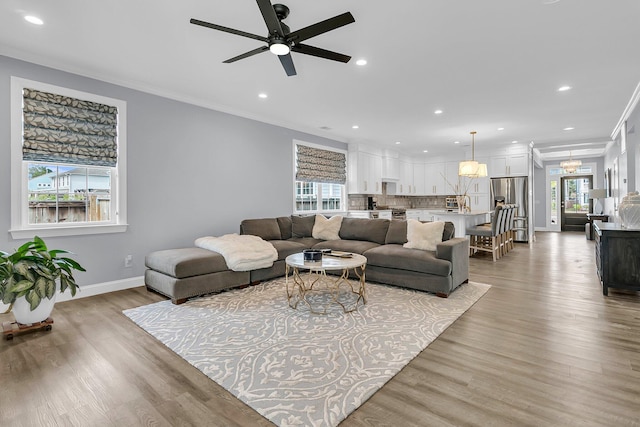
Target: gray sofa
x=188 y=272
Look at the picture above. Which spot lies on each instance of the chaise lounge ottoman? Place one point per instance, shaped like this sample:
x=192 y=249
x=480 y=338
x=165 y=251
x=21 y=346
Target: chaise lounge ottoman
x=189 y=272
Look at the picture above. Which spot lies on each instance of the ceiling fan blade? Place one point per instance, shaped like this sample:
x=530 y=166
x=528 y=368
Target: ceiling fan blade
x=270 y=17
x=227 y=30
x=287 y=64
x=321 y=27
x=247 y=54
x=320 y=53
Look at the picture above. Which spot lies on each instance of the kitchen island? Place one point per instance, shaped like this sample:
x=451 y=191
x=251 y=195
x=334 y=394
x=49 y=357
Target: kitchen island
x=462 y=221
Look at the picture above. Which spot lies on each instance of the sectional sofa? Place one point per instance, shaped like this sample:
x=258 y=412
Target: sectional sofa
x=188 y=272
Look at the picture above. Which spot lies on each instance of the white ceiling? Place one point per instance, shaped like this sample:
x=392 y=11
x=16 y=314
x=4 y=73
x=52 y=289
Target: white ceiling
x=485 y=63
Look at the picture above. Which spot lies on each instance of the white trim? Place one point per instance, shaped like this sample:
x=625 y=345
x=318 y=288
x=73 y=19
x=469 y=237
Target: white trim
x=19 y=210
x=633 y=102
x=79 y=230
x=102 y=288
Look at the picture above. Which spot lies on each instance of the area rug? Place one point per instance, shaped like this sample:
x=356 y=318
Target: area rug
x=294 y=367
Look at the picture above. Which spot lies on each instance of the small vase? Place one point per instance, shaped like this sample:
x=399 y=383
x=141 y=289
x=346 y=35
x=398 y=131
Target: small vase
x=23 y=314
x=461 y=200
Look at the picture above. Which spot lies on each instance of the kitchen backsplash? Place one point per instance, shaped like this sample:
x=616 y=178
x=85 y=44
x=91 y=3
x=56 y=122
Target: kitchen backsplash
x=359 y=201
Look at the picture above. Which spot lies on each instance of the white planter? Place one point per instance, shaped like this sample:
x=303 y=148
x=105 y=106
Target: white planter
x=23 y=314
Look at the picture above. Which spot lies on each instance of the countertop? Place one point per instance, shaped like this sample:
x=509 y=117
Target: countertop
x=472 y=213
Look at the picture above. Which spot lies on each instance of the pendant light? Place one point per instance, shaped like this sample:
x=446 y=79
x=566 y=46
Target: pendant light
x=471 y=168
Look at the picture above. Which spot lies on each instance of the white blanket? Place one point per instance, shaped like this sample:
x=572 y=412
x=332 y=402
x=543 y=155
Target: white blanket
x=241 y=252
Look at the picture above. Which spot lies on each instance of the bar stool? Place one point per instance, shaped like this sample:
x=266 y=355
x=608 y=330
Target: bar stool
x=487 y=238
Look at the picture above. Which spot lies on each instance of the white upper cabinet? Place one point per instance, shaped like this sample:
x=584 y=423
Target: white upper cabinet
x=390 y=166
x=434 y=183
x=509 y=165
x=418 y=179
x=365 y=173
x=405 y=186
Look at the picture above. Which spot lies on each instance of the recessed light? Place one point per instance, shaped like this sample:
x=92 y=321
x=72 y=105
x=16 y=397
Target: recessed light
x=425 y=151
x=437 y=112
x=456 y=142
x=262 y=95
x=33 y=20
x=361 y=62
x=569 y=128
x=500 y=128
x=564 y=88
x=355 y=127
x=397 y=142
x=514 y=142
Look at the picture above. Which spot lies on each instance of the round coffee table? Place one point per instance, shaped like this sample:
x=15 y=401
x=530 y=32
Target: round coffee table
x=310 y=284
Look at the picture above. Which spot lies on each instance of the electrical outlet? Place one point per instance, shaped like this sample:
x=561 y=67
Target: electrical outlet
x=128 y=261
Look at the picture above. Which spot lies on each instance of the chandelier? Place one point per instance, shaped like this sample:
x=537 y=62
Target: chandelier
x=570 y=166
x=471 y=168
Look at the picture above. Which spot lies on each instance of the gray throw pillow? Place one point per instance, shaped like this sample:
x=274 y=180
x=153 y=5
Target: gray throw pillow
x=266 y=228
x=397 y=234
x=371 y=230
x=449 y=231
x=284 y=222
x=302 y=226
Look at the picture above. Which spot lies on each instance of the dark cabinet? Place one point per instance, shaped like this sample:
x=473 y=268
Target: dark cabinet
x=595 y=217
x=617 y=256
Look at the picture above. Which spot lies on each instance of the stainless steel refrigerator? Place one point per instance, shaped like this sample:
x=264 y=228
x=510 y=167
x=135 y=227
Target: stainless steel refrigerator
x=514 y=191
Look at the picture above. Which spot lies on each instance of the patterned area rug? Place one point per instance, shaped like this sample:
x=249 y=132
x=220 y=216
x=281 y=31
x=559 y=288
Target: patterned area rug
x=294 y=367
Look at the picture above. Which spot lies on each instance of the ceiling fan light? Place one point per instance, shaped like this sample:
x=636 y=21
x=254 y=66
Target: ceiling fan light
x=279 y=48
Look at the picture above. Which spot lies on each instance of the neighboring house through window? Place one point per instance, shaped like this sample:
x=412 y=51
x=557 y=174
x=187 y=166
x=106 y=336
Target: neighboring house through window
x=68 y=161
x=320 y=178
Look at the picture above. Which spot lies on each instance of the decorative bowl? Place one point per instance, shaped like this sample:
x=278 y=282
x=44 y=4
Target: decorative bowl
x=312 y=255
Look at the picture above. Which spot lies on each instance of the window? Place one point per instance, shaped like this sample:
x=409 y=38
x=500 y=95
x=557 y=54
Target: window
x=68 y=161
x=320 y=177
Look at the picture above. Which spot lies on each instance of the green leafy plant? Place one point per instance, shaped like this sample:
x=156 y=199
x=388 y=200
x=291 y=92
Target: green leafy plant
x=32 y=272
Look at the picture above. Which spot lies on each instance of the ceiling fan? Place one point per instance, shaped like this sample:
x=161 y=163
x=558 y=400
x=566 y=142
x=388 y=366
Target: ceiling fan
x=281 y=41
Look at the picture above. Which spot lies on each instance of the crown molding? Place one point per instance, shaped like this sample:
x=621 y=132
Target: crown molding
x=633 y=103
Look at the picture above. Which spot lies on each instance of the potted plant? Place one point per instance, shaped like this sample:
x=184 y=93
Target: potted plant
x=30 y=276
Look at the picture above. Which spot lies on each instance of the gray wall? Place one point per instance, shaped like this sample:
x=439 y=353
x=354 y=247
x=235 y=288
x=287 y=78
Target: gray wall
x=191 y=172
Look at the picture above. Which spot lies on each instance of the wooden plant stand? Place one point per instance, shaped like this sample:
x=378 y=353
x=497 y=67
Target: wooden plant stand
x=9 y=329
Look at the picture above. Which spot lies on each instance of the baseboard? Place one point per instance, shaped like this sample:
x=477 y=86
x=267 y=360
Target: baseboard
x=102 y=288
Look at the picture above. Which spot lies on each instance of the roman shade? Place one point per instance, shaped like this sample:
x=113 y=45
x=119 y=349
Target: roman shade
x=62 y=129
x=317 y=165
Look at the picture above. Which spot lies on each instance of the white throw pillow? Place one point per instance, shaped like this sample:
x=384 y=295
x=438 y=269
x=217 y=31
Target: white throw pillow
x=327 y=229
x=424 y=236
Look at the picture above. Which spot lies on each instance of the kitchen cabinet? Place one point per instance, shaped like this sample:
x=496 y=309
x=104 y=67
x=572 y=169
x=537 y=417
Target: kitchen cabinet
x=509 y=165
x=479 y=202
x=405 y=187
x=418 y=179
x=434 y=183
x=365 y=173
x=414 y=214
x=453 y=181
x=390 y=167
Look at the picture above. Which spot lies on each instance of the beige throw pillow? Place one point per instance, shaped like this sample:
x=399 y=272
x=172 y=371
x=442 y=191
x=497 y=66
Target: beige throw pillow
x=327 y=228
x=424 y=236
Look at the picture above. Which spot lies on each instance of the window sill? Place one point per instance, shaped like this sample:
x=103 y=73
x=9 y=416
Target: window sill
x=79 y=230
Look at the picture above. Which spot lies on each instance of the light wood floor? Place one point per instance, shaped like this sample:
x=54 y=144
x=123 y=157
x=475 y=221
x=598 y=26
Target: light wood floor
x=542 y=347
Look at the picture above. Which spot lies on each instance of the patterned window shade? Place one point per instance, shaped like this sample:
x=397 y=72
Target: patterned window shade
x=316 y=165
x=67 y=130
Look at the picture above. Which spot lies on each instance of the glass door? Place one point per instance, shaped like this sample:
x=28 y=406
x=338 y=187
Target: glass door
x=574 y=202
